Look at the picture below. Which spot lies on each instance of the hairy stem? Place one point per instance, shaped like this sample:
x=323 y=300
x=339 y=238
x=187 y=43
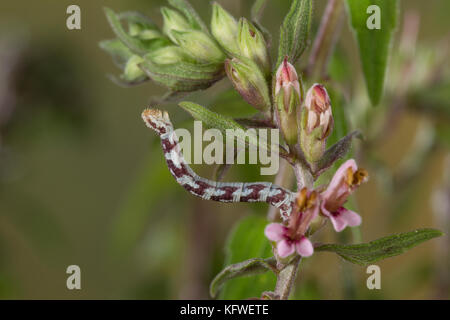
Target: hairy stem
x=323 y=47
x=286 y=278
x=326 y=38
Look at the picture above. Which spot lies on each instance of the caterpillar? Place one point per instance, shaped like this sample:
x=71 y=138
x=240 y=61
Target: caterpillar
x=272 y=194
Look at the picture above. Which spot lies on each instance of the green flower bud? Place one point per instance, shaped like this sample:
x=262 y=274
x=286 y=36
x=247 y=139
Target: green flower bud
x=249 y=82
x=225 y=29
x=288 y=100
x=139 y=31
x=168 y=55
x=253 y=46
x=132 y=71
x=316 y=122
x=199 y=46
x=174 y=21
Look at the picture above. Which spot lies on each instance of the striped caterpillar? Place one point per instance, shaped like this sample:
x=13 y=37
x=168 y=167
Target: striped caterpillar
x=207 y=189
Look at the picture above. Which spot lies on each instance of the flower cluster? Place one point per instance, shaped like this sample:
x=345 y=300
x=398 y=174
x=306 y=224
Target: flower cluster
x=311 y=205
x=185 y=55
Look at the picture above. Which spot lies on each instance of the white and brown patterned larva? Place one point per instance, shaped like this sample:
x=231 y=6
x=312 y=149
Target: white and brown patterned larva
x=207 y=189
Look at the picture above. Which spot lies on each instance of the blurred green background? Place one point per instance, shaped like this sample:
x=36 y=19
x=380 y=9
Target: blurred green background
x=82 y=181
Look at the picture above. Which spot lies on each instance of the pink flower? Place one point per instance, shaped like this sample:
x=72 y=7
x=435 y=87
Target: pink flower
x=346 y=179
x=287 y=78
x=285 y=244
x=292 y=238
x=318 y=105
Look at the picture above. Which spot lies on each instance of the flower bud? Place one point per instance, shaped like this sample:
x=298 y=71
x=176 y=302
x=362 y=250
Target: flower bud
x=173 y=20
x=132 y=72
x=199 y=46
x=253 y=46
x=168 y=55
x=137 y=30
x=225 y=29
x=249 y=82
x=288 y=100
x=316 y=122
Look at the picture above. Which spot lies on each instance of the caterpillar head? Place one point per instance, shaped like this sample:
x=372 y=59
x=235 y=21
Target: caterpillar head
x=157 y=120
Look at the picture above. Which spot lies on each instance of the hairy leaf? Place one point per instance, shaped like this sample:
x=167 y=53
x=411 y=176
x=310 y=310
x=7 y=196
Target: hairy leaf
x=210 y=118
x=139 y=18
x=374 y=44
x=118 y=51
x=246 y=268
x=192 y=16
x=133 y=44
x=257 y=9
x=183 y=76
x=247 y=241
x=390 y=246
x=295 y=31
x=222 y=123
x=336 y=152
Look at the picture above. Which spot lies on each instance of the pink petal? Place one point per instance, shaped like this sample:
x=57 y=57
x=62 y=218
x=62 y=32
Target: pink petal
x=352 y=218
x=285 y=248
x=339 y=175
x=304 y=247
x=343 y=217
x=275 y=231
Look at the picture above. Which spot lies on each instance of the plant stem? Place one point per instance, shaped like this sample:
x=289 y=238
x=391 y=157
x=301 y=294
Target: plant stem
x=326 y=38
x=283 y=179
x=286 y=278
x=304 y=178
x=323 y=47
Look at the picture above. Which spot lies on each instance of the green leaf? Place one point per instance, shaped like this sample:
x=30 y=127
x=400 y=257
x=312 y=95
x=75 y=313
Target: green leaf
x=210 y=118
x=192 y=16
x=257 y=9
x=136 y=45
x=336 y=152
x=256 y=14
x=138 y=18
x=246 y=268
x=247 y=241
x=132 y=43
x=118 y=51
x=367 y=253
x=222 y=123
x=374 y=45
x=295 y=30
x=183 y=76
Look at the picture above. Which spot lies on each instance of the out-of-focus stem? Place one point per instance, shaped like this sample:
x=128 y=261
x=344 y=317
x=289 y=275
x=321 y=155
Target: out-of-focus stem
x=326 y=38
x=441 y=210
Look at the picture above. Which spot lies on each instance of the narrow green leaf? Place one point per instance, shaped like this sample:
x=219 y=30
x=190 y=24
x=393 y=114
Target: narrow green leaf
x=374 y=44
x=257 y=9
x=390 y=246
x=132 y=43
x=183 y=76
x=295 y=31
x=122 y=82
x=336 y=152
x=210 y=118
x=139 y=18
x=221 y=122
x=192 y=16
x=242 y=269
x=247 y=241
x=118 y=51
